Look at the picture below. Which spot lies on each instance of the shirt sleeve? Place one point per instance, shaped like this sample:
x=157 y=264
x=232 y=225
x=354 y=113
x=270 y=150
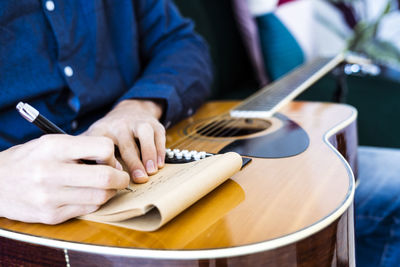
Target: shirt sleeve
x=176 y=66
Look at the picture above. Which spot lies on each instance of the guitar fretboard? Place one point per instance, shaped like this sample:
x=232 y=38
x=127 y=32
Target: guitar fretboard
x=265 y=102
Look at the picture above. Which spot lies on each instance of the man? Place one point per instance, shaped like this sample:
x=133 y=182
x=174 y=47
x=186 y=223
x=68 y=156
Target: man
x=107 y=72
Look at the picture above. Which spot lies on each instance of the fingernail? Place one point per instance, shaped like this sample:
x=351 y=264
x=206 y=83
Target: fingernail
x=139 y=173
x=150 y=166
x=160 y=161
x=118 y=166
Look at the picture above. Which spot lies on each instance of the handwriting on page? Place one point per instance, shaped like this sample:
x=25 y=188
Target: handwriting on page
x=170 y=191
x=179 y=175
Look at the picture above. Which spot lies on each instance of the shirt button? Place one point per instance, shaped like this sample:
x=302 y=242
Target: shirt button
x=50 y=5
x=74 y=125
x=190 y=111
x=68 y=71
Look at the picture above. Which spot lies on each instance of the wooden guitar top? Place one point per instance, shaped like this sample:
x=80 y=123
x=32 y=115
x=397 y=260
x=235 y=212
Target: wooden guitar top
x=271 y=202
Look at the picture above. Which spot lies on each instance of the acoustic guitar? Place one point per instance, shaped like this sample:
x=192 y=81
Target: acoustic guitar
x=290 y=205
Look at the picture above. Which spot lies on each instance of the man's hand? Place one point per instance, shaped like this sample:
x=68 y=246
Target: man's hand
x=130 y=120
x=44 y=180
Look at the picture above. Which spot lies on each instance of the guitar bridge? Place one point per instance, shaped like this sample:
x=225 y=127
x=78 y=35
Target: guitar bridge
x=184 y=156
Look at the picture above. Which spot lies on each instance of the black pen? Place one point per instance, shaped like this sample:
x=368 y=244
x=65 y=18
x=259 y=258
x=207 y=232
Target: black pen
x=33 y=116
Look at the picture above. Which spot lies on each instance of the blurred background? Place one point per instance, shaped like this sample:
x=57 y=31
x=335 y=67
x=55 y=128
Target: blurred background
x=256 y=42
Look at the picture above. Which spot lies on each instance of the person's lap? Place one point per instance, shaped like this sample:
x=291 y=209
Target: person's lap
x=377 y=207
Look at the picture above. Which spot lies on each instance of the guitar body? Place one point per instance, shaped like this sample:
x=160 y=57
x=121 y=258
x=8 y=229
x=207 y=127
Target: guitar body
x=291 y=207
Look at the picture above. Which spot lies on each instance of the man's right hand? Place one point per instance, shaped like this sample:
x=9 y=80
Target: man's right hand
x=43 y=180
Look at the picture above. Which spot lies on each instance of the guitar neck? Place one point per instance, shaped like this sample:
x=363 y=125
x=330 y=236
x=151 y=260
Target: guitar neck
x=269 y=99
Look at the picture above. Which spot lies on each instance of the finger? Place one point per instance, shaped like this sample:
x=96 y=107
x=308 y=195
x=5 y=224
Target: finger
x=111 y=161
x=159 y=140
x=92 y=176
x=74 y=148
x=130 y=155
x=145 y=133
x=64 y=213
x=94 y=131
x=82 y=196
x=106 y=153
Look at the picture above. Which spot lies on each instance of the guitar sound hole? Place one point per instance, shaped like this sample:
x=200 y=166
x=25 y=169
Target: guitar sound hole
x=232 y=127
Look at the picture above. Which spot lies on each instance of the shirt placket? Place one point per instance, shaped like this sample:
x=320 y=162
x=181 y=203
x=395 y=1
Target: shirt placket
x=57 y=18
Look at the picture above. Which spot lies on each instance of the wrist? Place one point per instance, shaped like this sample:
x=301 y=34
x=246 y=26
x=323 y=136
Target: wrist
x=154 y=107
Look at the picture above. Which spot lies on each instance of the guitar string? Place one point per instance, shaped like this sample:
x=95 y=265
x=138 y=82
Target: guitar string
x=217 y=128
x=229 y=130
x=209 y=128
x=234 y=130
x=188 y=137
x=231 y=122
x=212 y=123
x=192 y=133
x=216 y=118
x=180 y=141
x=226 y=128
x=237 y=129
x=222 y=129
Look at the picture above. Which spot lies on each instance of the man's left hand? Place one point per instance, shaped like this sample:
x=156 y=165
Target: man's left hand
x=130 y=120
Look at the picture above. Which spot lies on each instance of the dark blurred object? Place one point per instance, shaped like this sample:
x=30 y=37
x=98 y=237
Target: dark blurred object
x=348 y=13
x=234 y=76
x=375 y=91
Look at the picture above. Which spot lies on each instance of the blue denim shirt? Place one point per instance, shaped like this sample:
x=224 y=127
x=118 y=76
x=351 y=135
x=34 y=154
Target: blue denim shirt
x=73 y=60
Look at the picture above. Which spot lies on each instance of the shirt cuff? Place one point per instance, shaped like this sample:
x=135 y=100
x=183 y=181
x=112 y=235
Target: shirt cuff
x=166 y=93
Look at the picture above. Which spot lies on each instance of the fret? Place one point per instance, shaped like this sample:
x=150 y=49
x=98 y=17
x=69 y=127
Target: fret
x=271 y=98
